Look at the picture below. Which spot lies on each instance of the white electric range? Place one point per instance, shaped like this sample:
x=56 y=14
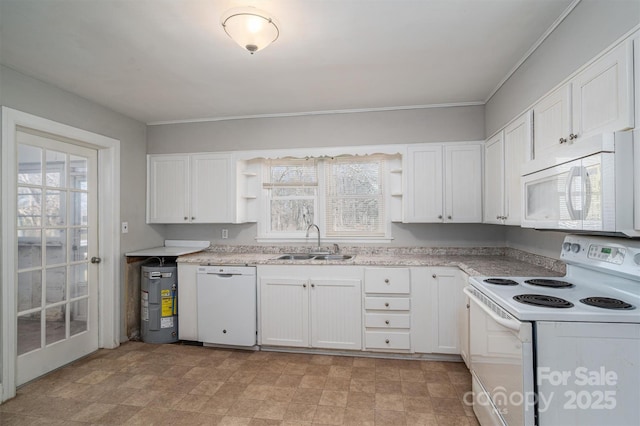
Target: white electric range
x=562 y=350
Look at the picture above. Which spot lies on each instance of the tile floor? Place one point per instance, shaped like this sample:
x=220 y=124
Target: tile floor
x=145 y=384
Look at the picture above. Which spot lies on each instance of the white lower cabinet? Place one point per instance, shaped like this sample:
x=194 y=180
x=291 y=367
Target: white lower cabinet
x=387 y=309
x=310 y=306
x=187 y=301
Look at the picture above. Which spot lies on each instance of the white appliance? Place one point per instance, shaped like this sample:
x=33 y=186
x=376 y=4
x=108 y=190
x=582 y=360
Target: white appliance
x=588 y=189
x=560 y=351
x=227 y=305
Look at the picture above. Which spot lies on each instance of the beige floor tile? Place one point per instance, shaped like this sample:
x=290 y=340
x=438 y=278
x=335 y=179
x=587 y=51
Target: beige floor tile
x=329 y=415
x=387 y=373
x=258 y=392
x=219 y=405
x=334 y=398
x=265 y=378
x=289 y=381
x=192 y=403
x=361 y=400
x=415 y=389
x=359 y=385
x=94 y=377
x=271 y=410
x=386 y=386
x=390 y=418
x=337 y=383
x=340 y=371
x=318 y=370
x=93 y=412
x=234 y=421
x=364 y=362
x=231 y=390
x=300 y=412
x=359 y=416
x=244 y=408
x=442 y=390
x=278 y=394
x=448 y=406
x=206 y=387
x=412 y=376
x=297 y=369
x=389 y=402
x=307 y=396
x=363 y=373
x=418 y=404
x=321 y=360
x=453 y=420
x=313 y=382
x=421 y=419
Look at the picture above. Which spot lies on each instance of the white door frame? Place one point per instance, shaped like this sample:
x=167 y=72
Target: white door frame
x=108 y=235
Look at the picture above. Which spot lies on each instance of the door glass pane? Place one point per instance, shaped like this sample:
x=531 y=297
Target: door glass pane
x=29 y=165
x=29 y=207
x=56 y=208
x=56 y=169
x=79 y=248
x=78 y=315
x=29 y=248
x=56 y=284
x=79 y=210
x=55 y=324
x=78 y=173
x=29 y=290
x=29 y=337
x=78 y=281
x=56 y=246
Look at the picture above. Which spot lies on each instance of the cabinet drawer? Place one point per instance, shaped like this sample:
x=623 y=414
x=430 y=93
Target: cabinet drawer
x=387 y=280
x=387 y=340
x=387 y=303
x=388 y=320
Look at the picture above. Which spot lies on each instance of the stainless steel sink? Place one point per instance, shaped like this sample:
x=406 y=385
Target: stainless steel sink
x=295 y=256
x=307 y=256
x=333 y=257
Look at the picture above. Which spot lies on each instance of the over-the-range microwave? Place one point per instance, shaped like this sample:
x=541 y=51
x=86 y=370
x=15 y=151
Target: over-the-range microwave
x=589 y=189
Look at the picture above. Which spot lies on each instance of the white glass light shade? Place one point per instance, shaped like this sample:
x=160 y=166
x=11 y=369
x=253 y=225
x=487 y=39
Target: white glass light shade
x=251 y=28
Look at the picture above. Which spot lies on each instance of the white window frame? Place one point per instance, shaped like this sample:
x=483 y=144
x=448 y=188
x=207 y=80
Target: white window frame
x=264 y=236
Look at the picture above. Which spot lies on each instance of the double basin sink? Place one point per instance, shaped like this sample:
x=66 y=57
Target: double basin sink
x=310 y=256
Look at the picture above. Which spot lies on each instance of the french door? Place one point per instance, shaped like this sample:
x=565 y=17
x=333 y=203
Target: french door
x=56 y=236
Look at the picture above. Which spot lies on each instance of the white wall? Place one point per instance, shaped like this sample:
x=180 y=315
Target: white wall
x=27 y=94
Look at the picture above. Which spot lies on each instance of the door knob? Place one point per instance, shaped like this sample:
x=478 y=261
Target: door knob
x=96 y=260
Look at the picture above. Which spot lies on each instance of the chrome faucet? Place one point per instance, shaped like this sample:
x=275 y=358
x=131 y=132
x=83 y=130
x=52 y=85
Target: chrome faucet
x=313 y=225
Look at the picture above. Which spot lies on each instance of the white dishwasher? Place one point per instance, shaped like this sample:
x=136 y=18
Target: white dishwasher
x=227 y=305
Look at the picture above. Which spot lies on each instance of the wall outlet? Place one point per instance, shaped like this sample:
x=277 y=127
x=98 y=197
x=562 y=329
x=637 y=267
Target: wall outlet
x=125 y=227
x=225 y=234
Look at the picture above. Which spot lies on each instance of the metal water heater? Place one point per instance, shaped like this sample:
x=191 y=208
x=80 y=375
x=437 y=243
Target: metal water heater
x=159 y=303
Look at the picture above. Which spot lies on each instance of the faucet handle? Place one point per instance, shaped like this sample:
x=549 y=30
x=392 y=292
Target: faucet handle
x=336 y=248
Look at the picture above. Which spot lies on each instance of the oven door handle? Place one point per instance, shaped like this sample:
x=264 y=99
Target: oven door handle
x=511 y=324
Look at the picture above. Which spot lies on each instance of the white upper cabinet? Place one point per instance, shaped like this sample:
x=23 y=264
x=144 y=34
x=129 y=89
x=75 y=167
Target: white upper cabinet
x=494 y=179
x=598 y=99
x=504 y=155
x=444 y=183
x=193 y=188
x=168 y=189
x=602 y=94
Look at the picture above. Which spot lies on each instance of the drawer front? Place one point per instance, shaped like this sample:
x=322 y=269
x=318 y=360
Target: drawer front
x=387 y=280
x=387 y=303
x=388 y=320
x=387 y=340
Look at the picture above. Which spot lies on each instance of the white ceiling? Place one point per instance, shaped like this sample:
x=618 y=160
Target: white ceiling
x=164 y=60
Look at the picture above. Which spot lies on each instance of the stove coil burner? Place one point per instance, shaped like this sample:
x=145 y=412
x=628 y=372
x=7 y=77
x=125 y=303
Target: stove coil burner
x=607 y=303
x=500 y=281
x=543 y=301
x=549 y=283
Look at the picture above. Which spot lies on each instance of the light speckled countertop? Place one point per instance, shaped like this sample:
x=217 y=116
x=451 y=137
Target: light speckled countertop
x=496 y=262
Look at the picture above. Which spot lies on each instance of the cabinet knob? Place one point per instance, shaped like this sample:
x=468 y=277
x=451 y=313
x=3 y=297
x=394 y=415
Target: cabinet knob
x=186 y=218
x=193 y=218
x=448 y=217
x=386 y=305
x=304 y=286
x=434 y=276
x=387 y=322
x=439 y=216
x=387 y=341
x=386 y=280
x=563 y=140
x=498 y=217
x=313 y=285
x=573 y=136
x=468 y=306
x=224 y=331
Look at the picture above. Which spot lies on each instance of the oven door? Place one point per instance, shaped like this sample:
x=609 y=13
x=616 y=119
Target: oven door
x=501 y=353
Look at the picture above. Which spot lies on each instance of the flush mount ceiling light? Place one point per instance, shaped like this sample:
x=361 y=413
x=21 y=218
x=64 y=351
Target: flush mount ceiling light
x=251 y=28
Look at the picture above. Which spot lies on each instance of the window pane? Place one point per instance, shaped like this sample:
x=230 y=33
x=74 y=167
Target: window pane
x=291 y=173
x=78 y=249
x=56 y=169
x=56 y=208
x=29 y=290
x=55 y=324
x=29 y=248
x=56 y=284
x=56 y=246
x=294 y=192
x=79 y=210
x=29 y=165
x=78 y=316
x=78 y=280
x=29 y=207
x=78 y=172
x=29 y=337
x=291 y=215
x=356 y=216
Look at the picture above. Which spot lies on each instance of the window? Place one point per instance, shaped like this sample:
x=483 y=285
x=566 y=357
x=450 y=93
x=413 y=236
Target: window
x=346 y=196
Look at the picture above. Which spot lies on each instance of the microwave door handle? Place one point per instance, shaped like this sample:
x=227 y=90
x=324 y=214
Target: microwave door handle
x=572 y=211
x=586 y=183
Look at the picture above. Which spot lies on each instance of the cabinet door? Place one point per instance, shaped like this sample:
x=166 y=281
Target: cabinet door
x=211 y=188
x=167 y=189
x=517 y=150
x=552 y=122
x=463 y=183
x=494 y=179
x=336 y=314
x=445 y=296
x=187 y=302
x=424 y=197
x=602 y=97
x=284 y=311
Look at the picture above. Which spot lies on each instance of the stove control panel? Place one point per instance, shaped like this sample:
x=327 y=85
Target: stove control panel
x=605 y=253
